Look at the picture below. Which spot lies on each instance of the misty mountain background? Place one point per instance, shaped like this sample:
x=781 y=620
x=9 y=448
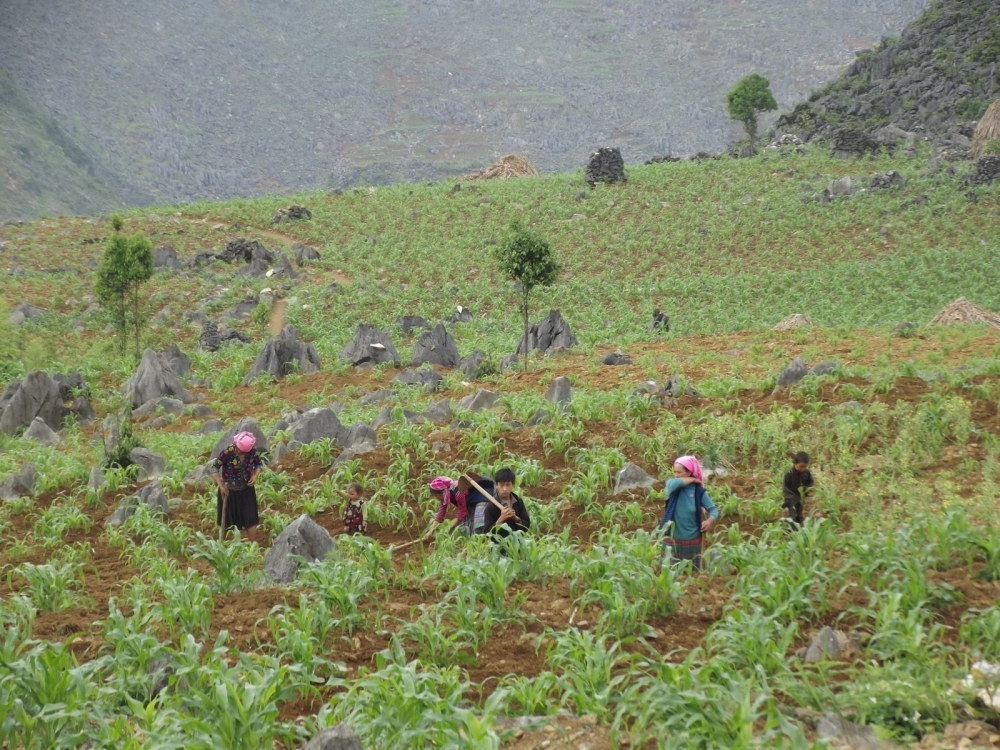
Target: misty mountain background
x=136 y=101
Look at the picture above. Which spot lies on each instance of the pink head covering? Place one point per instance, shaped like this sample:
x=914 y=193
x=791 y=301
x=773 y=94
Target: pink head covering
x=245 y=441
x=691 y=464
x=440 y=484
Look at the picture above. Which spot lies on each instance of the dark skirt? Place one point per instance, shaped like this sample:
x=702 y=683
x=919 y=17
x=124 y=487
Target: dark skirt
x=683 y=549
x=241 y=508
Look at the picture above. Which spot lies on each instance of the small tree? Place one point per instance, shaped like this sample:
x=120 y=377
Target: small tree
x=748 y=98
x=527 y=258
x=127 y=265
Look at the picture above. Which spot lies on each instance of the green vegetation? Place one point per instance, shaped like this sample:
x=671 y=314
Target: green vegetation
x=747 y=100
x=126 y=266
x=526 y=258
x=440 y=645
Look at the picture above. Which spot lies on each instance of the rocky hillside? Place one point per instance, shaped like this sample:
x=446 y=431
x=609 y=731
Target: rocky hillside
x=42 y=170
x=219 y=98
x=937 y=78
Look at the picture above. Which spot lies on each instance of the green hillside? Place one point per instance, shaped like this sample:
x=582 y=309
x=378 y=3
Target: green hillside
x=878 y=618
x=42 y=171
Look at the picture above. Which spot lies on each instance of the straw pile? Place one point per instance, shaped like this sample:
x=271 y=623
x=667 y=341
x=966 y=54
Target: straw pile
x=987 y=131
x=792 y=322
x=511 y=165
x=962 y=312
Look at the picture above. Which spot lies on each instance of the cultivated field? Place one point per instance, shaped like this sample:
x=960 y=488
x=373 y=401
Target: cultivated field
x=446 y=645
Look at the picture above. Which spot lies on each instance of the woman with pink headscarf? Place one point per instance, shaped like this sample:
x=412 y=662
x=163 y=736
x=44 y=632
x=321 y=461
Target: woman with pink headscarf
x=235 y=473
x=685 y=516
x=447 y=492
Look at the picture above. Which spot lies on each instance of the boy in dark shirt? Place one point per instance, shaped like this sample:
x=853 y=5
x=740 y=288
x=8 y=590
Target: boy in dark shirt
x=514 y=516
x=796 y=487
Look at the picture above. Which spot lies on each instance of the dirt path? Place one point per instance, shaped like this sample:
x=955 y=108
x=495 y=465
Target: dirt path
x=278 y=316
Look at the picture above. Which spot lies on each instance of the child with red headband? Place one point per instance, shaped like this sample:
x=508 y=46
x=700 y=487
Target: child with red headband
x=235 y=472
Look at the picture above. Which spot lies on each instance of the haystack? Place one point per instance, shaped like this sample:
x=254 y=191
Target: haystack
x=792 y=322
x=962 y=312
x=987 y=131
x=511 y=165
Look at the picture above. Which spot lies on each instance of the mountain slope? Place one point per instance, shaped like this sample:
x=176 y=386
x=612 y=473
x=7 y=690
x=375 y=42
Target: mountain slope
x=938 y=77
x=220 y=98
x=42 y=170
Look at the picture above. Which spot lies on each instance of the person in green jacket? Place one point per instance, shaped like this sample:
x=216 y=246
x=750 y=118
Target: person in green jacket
x=689 y=513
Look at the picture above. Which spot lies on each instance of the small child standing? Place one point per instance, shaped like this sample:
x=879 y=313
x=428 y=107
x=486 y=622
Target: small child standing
x=356 y=512
x=796 y=488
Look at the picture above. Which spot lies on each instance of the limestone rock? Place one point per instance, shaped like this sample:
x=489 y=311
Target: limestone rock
x=20 y=484
x=436 y=347
x=316 y=424
x=282 y=355
x=41 y=433
x=165 y=404
x=439 y=411
x=152 y=496
x=153 y=380
x=246 y=251
x=560 y=393
x=428 y=378
x=793 y=322
x=827 y=367
x=792 y=374
x=409 y=323
x=481 y=399
x=615 y=358
x=357 y=434
x=302 y=538
x=827 y=644
x=340 y=737
x=96 y=479
x=846 y=734
x=304 y=253
x=35 y=395
x=632 y=477
x=605 y=165
x=211 y=427
x=279 y=451
x=375 y=397
x=150 y=464
x=370 y=346
x=475 y=365
x=292 y=213
x=24 y=313
x=552 y=333
x=461 y=315
x=165 y=256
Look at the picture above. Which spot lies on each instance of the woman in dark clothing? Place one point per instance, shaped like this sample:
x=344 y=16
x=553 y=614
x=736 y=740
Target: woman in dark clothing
x=235 y=473
x=796 y=487
x=514 y=516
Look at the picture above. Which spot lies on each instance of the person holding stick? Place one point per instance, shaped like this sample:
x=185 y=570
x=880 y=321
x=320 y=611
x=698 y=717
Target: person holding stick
x=684 y=518
x=447 y=492
x=509 y=515
x=235 y=471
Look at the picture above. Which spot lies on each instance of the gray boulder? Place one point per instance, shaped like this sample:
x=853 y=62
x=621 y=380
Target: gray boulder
x=282 y=355
x=827 y=644
x=24 y=313
x=560 y=393
x=302 y=538
x=409 y=323
x=508 y=362
x=436 y=347
x=845 y=734
x=199 y=411
x=792 y=374
x=481 y=399
x=211 y=427
x=283 y=268
x=165 y=404
x=304 y=253
x=83 y=410
x=904 y=330
x=383 y=417
x=615 y=358
x=439 y=411
x=210 y=339
x=359 y=433
x=675 y=388
x=242 y=250
x=370 y=346
x=152 y=380
x=827 y=367
x=552 y=333
x=461 y=315
x=428 y=378
x=152 y=496
x=279 y=451
x=242 y=309
x=841 y=188
x=41 y=433
x=851 y=406
x=316 y=424
x=199 y=476
x=96 y=479
x=349 y=454
x=375 y=397
x=885 y=180
x=20 y=484
x=35 y=395
x=150 y=464
x=475 y=365
x=631 y=477
x=166 y=257
x=340 y=737
x=247 y=424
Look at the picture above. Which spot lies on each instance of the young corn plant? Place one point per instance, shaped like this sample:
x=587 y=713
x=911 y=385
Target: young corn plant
x=52 y=588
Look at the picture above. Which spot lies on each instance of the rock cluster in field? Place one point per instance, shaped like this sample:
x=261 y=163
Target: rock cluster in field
x=605 y=165
x=47 y=397
x=284 y=354
x=292 y=213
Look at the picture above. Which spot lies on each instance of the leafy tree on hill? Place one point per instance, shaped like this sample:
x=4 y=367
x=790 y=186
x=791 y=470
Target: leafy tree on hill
x=527 y=258
x=127 y=265
x=748 y=99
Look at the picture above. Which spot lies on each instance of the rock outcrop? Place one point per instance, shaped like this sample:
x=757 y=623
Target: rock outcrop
x=284 y=354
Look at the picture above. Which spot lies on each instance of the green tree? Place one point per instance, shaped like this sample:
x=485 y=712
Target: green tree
x=527 y=258
x=747 y=99
x=127 y=265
